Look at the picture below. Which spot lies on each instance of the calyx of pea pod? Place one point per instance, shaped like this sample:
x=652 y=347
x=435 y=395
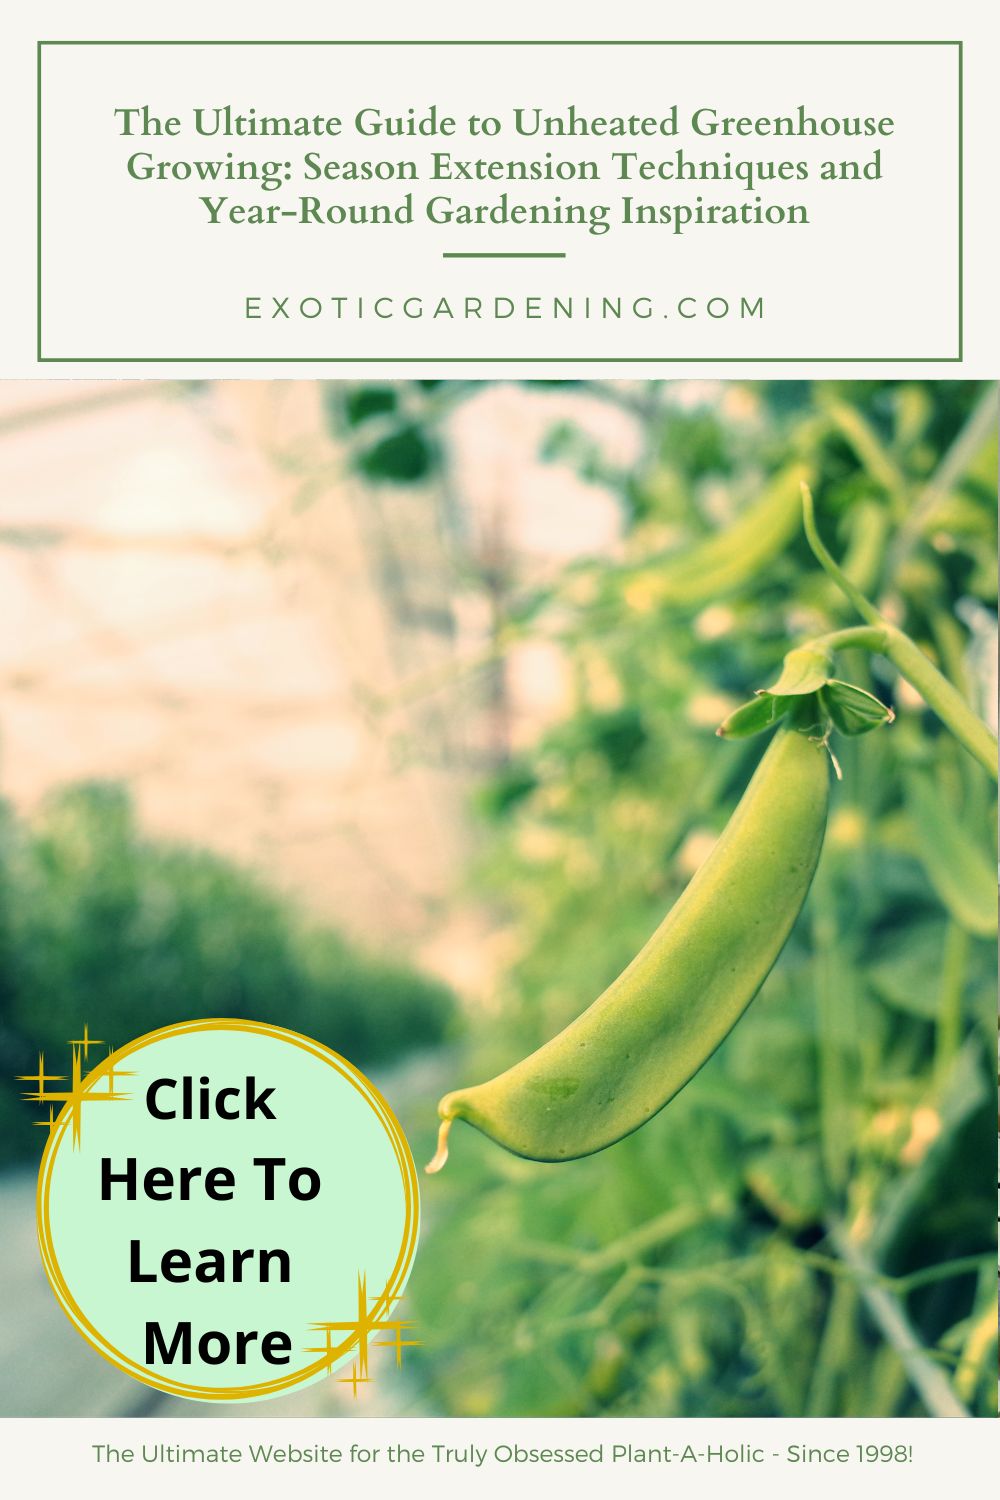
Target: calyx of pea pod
x=811 y=697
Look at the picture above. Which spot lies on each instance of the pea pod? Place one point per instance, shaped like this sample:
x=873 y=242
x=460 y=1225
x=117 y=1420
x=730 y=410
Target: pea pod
x=727 y=560
x=866 y=547
x=626 y=1056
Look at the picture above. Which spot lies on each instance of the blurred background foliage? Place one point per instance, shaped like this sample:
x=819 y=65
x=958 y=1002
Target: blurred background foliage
x=809 y=1228
x=99 y=923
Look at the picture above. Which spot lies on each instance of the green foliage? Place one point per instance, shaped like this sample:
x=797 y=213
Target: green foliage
x=102 y=926
x=956 y=861
x=692 y=1269
x=364 y=402
x=387 y=446
x=405 y=456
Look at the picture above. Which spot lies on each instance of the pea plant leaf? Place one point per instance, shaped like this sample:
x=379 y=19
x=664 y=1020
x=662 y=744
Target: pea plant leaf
x=852 y=710
x=960 y=871
x=805 y=670
x=753 y=717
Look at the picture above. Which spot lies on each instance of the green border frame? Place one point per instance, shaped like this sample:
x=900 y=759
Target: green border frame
x=319 y=359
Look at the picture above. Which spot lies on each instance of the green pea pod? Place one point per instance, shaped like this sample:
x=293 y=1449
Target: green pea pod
x=621 y=1061
x=961 y=873
x=866 y=548
x=725 y=561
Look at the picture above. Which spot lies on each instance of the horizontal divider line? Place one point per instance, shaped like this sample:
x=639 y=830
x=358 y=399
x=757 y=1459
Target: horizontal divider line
x=498 y=359
x=659 y=41
x=503 y=255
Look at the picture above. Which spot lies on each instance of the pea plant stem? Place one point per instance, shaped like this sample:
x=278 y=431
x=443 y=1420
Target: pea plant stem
x=977 y=431
x=879 y=635
x=949 y=1023
x=927 y=1380
x=835 y=1350
x=858 y=432
x=945 y=700
x=852 y=638
x=629 y=1247
x=981 y=1336
x=834 y=1004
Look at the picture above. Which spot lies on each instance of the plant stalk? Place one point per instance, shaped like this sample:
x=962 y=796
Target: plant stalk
x=927 y=1380
x=879 y=635
x=939 y=695
x=949 y=1022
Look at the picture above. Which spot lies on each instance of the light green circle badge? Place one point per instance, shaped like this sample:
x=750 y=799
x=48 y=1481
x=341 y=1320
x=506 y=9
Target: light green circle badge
x=227 y=1210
